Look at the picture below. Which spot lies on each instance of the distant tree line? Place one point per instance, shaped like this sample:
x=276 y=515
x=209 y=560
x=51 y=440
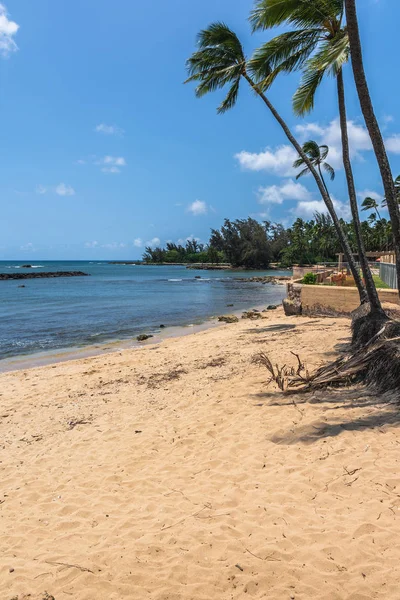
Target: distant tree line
x=250 y=244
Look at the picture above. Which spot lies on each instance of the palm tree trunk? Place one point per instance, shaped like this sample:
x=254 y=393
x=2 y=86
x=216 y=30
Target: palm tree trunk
x=373 y=127
x=369 y=282
x=325 y=196
x=322 y=178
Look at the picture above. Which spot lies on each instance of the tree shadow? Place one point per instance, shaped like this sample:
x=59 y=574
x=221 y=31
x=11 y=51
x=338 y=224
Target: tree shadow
x=385 y=409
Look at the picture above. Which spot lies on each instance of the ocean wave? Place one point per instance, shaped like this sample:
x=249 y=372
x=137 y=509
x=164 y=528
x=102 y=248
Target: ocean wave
x=175 y=279
x=36 y=266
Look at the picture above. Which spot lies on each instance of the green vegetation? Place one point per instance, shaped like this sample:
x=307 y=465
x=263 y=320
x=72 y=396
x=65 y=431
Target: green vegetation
x=380 y=284
x=250 y=244
x=310 y=279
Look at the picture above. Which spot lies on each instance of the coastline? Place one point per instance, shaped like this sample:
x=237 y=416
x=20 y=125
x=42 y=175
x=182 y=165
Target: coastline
x=41 y=359
x=179 y=471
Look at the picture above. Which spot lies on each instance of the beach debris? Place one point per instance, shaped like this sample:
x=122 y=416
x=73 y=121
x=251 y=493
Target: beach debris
x=228 y=318
x=252 y=314
x=272 y=307
x=11 y=570
x=143 y=337
x=283 y=376
x=157 y=379
x=239 y=567
x=215 y=362
x=74 y=422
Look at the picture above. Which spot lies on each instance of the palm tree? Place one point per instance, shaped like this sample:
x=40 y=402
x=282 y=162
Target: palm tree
x=372 y=126
x=317 y=155
x=318 y=45
x=371 y=204
x=220 y=61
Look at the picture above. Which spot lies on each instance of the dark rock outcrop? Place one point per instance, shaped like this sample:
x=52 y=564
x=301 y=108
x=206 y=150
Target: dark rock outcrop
x=143 y=337
x=291 y=307
x=228 y=318
x=5 y=276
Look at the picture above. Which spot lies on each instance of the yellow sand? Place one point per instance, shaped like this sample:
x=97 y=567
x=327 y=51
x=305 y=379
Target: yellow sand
x=174 y=472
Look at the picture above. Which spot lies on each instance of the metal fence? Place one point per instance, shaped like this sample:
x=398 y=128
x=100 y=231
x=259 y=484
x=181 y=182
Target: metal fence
x=387 y=273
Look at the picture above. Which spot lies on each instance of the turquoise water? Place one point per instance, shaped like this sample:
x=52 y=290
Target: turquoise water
x=116 y=302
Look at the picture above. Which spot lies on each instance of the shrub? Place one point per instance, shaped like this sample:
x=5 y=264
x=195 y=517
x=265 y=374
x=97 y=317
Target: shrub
x=310 y=279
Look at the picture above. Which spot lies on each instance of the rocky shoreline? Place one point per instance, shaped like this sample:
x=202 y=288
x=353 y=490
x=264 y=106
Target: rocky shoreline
x=275 y=280
x=6 y=276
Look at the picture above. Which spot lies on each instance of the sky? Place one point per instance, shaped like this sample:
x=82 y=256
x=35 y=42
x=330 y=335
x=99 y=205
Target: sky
x=104 y=150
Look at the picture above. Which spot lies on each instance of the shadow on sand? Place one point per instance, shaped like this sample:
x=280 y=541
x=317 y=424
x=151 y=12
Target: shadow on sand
x=378 y=412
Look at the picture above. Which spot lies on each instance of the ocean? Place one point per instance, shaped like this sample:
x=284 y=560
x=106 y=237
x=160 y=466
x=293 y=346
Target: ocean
x=117 y=302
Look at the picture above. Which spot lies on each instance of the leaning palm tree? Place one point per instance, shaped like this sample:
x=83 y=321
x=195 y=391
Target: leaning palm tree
x=220 y=61
x=317 y=155
x=318 y=45
x=373 y=126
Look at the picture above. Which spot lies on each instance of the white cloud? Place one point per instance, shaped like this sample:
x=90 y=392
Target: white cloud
x=359 y=140
x=109 y=129
x=65 y=190
x=41 y=189
x=154 y=242
x=393 y=144
x=276 y=194
x=307 y=209
x=112 y=164
x=370 y=194
x=93 y=244
x=197 y=208
x=7 y=31
x=190 y=238
x=114 y=245
x=279 y=161
x=138 y=243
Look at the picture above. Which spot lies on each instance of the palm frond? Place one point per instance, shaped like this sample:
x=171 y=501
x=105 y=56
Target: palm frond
x=284 y=53
x=311 y=148
x=324 y=151
x=369 y=204
x=303 y=172
x=299 y=162
x=303 y=99
x=305 y=13
x=329 y=169
x=230 y=99
x=219 y=61
x=332 y=55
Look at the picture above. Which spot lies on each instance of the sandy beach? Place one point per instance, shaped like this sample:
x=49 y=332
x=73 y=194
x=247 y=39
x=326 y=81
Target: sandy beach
x=174 y=472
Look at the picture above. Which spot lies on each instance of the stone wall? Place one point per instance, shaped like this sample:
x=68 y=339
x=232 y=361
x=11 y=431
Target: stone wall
x=342 y=300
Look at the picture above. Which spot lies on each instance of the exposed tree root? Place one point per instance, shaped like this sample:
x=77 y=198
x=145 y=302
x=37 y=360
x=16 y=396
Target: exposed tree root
x=376 y=363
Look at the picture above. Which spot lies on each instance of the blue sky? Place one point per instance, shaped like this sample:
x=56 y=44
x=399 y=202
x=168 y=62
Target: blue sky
x=103 y=149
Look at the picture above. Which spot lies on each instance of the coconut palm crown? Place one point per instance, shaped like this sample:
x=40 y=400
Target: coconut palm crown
x=317 y=155
x=219 y=61
x=317 y=45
